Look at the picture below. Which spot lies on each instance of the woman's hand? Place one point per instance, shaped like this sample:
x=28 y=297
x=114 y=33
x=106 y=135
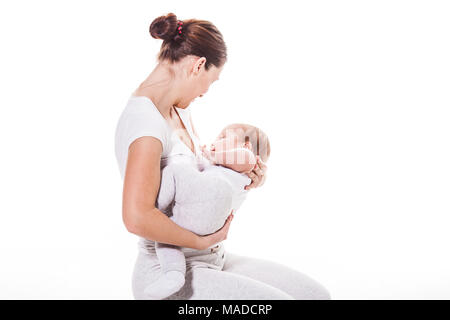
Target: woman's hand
x=258 y=174
x=213 y=238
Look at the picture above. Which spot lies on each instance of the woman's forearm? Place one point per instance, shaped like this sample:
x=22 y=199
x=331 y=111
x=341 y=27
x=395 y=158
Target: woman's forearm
x=155 y=225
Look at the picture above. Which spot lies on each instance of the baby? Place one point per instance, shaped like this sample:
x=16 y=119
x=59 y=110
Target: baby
x=201 y=193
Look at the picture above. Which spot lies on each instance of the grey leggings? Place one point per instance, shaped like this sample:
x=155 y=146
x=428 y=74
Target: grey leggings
x=214 y=274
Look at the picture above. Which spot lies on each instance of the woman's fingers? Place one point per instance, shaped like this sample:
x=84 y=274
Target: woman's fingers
x=219 y=235
x=258 y=171
x=257 y=174
x=255 y=180
x=231 y=216
x=228 y=221
x=252 y=174
x=263 y=167
x=260 y=165
x=226 y=227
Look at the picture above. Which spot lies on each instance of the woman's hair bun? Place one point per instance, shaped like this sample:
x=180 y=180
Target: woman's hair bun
x=187 y=37
x=164 y=27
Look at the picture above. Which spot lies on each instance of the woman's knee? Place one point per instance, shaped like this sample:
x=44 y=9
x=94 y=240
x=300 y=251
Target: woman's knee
x=296 y=284
x=319 y=292
x=303 y=287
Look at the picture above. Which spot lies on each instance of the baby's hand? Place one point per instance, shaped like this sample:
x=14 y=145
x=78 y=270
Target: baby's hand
x=206 y=152
x=203 y=150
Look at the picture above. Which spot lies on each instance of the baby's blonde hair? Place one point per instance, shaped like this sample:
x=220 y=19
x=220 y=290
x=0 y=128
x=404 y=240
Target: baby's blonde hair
x=257 y=137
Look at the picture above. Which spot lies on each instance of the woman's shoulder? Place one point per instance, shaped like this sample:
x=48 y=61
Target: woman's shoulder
x=140 y=117
x=143 y=105
x=141 y=112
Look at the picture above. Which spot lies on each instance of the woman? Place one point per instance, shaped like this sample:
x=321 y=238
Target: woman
x=156 y=125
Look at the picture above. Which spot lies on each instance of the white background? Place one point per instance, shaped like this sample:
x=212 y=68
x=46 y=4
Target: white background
x=354 y=96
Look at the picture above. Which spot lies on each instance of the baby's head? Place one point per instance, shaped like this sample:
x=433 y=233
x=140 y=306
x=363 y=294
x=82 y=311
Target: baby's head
x=238 y=135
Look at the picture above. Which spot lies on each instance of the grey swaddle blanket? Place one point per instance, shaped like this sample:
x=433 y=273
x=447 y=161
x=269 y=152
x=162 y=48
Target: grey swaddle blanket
x=198 y=200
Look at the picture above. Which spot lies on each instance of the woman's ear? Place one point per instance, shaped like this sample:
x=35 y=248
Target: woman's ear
x=198 y=65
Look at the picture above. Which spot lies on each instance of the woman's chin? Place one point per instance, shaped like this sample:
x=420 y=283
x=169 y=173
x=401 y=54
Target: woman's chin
x=187 y=105
x=183 y=105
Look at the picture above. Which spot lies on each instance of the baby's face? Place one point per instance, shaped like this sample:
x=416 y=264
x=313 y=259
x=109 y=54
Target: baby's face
x=230 y=138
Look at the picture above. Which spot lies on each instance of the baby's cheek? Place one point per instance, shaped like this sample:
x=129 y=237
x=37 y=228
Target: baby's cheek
x=251 y=159
x=219 y=145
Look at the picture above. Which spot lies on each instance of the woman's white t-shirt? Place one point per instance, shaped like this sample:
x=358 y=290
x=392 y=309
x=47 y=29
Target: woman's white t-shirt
x=142 y=118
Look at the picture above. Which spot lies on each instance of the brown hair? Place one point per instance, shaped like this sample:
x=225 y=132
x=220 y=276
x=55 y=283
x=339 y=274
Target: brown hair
x=198 y=37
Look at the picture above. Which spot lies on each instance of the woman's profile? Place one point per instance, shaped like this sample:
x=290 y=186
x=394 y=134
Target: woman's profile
x=155 y=126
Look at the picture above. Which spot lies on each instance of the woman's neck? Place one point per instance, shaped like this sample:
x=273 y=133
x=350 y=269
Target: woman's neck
x=160 y=87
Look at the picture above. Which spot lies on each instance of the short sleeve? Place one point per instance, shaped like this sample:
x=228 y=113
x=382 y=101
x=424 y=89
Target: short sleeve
x=140 y=118
x=140 y=124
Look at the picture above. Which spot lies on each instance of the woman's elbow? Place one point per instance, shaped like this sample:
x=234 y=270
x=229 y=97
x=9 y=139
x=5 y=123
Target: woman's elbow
x=131 y=221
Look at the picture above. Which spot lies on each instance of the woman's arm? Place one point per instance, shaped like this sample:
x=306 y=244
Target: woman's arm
x=141 y=185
